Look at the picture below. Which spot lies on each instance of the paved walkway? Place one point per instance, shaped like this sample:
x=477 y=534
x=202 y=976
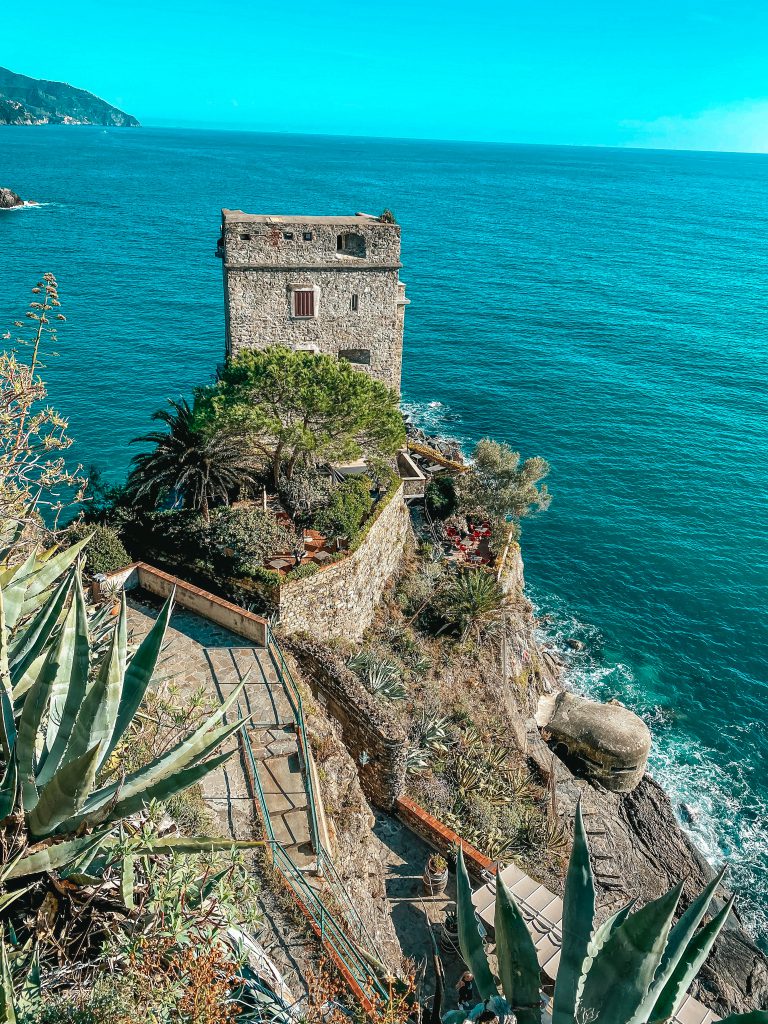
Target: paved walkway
x=200 y=656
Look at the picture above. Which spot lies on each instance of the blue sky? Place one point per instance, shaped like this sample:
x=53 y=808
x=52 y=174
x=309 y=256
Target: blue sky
x=661 y=73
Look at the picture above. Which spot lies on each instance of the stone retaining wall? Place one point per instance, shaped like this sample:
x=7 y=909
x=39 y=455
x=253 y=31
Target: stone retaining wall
x=339 y=601
x=370 y=731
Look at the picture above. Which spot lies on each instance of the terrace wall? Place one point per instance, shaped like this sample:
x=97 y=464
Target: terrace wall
x=369 y=729
x=340 y=600
x=215 y=609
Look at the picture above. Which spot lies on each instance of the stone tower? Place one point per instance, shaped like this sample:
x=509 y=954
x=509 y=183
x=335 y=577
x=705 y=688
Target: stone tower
x=321 y=284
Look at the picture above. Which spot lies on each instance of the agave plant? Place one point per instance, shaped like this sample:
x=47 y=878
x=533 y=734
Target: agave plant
x=62 y=718
x=634 y=968
x=378 y=676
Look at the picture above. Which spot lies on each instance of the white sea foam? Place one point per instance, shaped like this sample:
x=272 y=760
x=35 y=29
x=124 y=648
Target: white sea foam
x=714 y=802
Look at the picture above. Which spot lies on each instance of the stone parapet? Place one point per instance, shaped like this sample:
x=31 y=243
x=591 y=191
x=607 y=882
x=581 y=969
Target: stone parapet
x=340 y=600
x=369 y=729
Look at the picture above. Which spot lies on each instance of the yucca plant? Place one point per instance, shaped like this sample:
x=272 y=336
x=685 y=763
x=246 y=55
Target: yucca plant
x=634 y=968
x=63 y=717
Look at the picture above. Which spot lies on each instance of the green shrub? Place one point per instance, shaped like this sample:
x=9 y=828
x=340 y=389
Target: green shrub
x=104 y=552
x=440 y=497
x=253 y=535
x=347 y=509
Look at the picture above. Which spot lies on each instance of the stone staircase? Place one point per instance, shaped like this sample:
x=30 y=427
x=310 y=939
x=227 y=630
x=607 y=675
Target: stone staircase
x=272 y=735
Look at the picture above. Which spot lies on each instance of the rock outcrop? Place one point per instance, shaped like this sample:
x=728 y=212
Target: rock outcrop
x=606 y=742
x=9 y=199
x=638 y=848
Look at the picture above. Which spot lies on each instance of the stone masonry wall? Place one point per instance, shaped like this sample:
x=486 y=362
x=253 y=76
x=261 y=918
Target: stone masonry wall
x=266 y=259
x=370 y=731
x=260 y=315
x=339 y=601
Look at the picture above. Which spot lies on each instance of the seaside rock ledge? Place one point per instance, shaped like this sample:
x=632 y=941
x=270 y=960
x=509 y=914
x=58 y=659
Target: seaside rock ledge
x=9 y=199
x=606 y=742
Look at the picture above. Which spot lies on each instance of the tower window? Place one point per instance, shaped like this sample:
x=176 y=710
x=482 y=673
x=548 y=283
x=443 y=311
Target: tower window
x=359 y=356
x=288 y=235
x=354 y=303
x=351 y=244
x=307 y=236
x=245 y=238
x=304 y=302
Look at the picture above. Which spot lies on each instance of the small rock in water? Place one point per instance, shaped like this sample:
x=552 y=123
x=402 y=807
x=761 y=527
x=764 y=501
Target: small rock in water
x=575 y=645
x=688 y=814
x=9 y=199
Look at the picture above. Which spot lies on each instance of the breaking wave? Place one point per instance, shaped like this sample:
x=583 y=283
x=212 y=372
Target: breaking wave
x=715 y=802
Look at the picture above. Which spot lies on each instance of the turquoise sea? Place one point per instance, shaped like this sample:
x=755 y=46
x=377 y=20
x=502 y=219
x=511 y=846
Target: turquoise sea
x=607 y=309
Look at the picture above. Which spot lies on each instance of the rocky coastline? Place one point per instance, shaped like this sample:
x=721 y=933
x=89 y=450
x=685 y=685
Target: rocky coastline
x=639 y=849
x=9 y=199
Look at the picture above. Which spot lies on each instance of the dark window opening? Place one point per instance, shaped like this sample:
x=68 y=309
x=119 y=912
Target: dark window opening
x=304 y=302
x=359 y=356
x=245 y=238
x=307 y=236
x=354 y=304
x=288 y=235
x=351 y=244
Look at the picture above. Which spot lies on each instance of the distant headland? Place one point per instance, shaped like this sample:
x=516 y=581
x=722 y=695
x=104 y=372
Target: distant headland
x=28 y=101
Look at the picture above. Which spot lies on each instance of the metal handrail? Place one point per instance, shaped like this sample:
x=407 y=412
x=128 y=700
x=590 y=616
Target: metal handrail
x=329 y=930
x=324 y=859
x=294 y=696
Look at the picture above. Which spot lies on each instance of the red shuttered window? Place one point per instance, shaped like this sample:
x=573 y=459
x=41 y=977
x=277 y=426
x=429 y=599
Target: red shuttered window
x=304 y=303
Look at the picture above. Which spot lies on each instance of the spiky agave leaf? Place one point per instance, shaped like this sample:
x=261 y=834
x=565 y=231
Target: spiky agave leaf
x=187 y=752
x=578 y=918
x=622 y=973
x=7 y=1000
x=138 y=675
x=52 y=858
x=680 y=938
x=34 y=639
x=7 y=722
x=69 y=686
x=470 y=943
x=518 y=964
x=44 y=574
x=94 y=722
x=688 y=965
x=64 y=795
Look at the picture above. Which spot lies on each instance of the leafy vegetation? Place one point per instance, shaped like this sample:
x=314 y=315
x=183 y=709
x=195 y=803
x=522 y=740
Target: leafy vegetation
x=197 y=464
x=104 y=550
x=347 y=508
x=297 y=407
x=634 y=968
x=253 y=534
x=34 y=476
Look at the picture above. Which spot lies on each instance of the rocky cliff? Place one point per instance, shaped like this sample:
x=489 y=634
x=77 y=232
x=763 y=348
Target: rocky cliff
x=26 y=101
x=638 y=848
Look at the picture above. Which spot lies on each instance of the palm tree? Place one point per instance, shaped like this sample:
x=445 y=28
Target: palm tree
x=474 y=601
x=201 y=467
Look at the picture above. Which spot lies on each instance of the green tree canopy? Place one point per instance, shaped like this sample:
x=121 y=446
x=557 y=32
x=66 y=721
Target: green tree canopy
x=296 y=406
x=500 y=486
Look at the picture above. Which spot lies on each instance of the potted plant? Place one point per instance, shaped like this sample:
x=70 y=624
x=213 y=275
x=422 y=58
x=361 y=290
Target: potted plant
x=435 y=875
x=449 y=932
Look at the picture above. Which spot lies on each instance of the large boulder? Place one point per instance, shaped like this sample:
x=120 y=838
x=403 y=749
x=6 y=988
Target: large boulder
x=9 y=199
x=606 y=742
